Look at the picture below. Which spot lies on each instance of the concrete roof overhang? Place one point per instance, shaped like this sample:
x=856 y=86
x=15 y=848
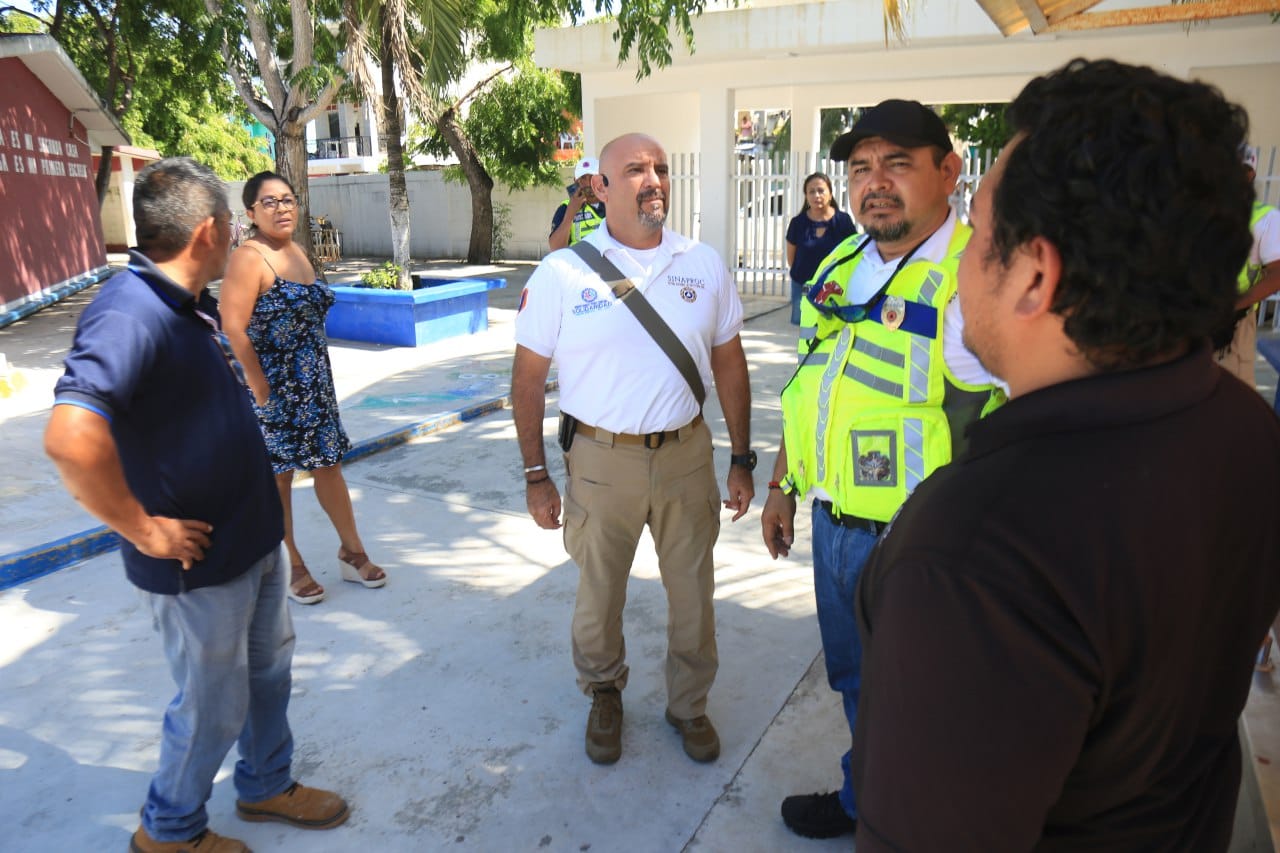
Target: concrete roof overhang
x=47 y=60
x=795 y=43
x=1047 y=16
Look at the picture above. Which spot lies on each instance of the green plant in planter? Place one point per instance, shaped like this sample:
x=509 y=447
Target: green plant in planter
x=385 y=277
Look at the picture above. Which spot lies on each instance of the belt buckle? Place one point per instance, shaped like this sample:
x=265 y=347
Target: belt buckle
x=649 y=436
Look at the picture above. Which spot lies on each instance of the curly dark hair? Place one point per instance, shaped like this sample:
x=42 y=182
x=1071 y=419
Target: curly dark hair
x=1135 y=177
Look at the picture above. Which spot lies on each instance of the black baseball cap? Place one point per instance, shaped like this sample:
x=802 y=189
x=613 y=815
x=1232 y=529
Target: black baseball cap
x=908 y=123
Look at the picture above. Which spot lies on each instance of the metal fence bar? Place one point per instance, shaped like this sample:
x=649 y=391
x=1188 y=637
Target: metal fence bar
x=684 y=214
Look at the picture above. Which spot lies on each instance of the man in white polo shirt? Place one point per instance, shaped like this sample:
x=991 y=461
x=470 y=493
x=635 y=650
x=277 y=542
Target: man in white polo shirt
x=641 y=453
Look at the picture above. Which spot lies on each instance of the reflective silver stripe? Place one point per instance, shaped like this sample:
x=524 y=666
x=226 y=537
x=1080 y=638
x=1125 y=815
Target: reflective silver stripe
x=876 y=383
x=929 y=289
x=825 y=386
x=816 y=359
x=808 y=333
x=912 y=452
x=921 y=354
x=879 y=353
x=918 y=374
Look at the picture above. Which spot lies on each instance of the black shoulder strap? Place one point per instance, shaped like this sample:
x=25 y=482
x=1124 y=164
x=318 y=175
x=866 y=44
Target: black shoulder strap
x=657 y=328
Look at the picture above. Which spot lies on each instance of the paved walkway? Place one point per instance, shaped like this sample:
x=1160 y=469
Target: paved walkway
x=444 y=704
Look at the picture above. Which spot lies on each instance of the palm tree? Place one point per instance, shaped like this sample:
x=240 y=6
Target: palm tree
x=419 y=42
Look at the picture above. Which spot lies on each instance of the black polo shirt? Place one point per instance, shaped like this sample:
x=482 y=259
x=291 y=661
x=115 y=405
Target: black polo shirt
x=182 y=421
x=1060 y=627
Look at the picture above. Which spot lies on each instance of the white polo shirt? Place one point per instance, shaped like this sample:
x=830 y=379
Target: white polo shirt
x=612 y=374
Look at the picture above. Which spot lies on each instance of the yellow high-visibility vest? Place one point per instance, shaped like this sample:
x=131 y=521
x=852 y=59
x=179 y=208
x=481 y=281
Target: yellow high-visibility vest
x=873 y=410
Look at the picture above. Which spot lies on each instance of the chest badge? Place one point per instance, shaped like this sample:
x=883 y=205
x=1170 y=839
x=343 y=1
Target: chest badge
x=892 y=312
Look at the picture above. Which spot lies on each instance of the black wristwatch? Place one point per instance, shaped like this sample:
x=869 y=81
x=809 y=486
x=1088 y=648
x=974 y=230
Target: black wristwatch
x=746 y=460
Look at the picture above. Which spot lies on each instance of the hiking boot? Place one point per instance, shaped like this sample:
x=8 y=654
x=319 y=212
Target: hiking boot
x=817 y=816
x=298 y=805
x=604 y=726
x=206 y=842
x=701 y=743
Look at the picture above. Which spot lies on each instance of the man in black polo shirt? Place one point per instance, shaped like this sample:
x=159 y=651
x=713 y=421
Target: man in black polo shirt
x=153 y=432
x=1059 y=628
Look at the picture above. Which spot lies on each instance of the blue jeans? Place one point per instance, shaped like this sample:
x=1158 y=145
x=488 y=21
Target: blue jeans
x=797 y=294
x=229 y=649
x=839 y=554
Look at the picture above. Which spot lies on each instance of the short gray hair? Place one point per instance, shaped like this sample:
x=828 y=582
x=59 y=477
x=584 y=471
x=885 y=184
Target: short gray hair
x=172 y=197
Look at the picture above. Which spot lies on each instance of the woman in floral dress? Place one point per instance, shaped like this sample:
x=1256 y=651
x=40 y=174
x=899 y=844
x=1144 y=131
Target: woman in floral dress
x=273 y=311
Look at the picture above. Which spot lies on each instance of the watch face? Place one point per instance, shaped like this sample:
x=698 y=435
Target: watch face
x=746 y=460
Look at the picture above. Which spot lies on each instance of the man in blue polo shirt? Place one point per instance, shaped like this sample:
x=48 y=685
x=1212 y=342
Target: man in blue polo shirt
x=153 y=432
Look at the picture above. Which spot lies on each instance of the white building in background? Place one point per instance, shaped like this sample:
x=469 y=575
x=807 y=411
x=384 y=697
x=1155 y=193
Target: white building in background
x=806 y=56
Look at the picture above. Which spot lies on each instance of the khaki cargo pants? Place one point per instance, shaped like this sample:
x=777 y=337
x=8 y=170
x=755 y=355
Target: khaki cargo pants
x=613 y=491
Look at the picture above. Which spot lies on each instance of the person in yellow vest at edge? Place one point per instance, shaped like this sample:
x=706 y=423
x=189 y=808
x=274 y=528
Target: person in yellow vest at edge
x=883 y=391
x=579 y=214
x=1259 y=279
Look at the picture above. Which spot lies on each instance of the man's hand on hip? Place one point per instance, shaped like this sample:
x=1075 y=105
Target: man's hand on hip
x=181 y=539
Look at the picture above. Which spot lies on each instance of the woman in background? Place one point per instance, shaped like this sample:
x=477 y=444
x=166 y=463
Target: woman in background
x=814 y=232
x=273 y=311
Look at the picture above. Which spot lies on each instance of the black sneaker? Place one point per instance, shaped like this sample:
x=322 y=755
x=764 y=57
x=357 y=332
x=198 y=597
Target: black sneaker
x=817 y=816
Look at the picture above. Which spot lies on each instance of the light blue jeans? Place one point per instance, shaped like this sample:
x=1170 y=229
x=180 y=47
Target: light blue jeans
x=839 y=554
x=229 y=649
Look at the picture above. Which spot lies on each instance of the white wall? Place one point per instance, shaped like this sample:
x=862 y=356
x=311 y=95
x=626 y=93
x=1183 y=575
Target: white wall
x=440 y=215
x=804 y=56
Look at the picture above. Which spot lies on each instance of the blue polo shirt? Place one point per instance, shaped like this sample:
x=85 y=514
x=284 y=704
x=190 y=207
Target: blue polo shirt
x=182 y=421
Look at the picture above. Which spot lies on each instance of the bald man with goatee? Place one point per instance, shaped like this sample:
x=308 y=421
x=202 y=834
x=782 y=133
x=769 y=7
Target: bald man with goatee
x=636 y=447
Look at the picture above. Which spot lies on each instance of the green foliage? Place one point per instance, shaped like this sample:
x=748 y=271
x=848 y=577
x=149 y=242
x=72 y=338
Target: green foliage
x=832 y=123
x=983 y=126
x=515 y=125
x=223 y=144
x=385 y=277
x=15 y=21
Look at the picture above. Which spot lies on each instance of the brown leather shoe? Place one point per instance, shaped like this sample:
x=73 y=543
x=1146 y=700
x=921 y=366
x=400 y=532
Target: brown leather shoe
x=604 y=726
x=300 y=806
x=206 y=842
x=701 y=743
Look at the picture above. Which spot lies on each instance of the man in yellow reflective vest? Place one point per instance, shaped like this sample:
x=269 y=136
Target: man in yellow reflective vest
x=883 y=390
x=581 y=213
x=1259 y=279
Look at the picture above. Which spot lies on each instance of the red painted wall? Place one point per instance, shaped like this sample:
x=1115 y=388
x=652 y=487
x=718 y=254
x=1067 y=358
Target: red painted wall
x=49 y=225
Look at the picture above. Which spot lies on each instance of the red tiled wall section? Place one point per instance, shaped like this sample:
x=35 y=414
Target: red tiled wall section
x=49 y=225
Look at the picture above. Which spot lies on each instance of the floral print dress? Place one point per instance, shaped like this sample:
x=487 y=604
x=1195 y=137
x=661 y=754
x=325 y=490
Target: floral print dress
x=300 y=420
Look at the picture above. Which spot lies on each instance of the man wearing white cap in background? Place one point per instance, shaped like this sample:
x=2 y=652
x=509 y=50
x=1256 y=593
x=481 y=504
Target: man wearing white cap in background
x=1259 y=279
x=582 y=212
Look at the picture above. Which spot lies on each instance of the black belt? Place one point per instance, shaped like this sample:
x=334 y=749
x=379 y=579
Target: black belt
x=853 y=522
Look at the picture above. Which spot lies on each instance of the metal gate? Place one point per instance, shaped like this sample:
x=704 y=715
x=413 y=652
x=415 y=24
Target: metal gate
x=767 y=193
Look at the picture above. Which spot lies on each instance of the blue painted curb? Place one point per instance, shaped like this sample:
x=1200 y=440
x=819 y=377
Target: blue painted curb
x=56 y=295
x=48 y=558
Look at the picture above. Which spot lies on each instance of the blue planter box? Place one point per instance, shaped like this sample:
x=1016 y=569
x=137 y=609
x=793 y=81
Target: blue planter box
x=443 y=308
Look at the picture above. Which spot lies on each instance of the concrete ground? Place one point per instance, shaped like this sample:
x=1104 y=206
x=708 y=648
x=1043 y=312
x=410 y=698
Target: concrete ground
x=443 y=705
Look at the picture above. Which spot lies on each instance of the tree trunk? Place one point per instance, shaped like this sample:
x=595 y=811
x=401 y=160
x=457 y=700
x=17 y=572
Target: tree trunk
x=478 y=181
x=102 y=180
x=399 y=192
x=291 y=162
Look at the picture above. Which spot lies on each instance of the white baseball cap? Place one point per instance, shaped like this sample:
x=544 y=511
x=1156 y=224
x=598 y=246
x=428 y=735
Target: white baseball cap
x=586 y=166
x=1249 y=156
